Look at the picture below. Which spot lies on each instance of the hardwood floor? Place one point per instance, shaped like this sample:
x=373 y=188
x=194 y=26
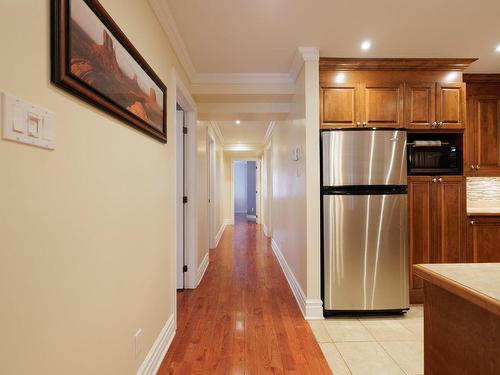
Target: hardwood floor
x=243 y=318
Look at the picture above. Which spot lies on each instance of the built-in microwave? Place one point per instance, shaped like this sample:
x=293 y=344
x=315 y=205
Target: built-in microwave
x=433 y=158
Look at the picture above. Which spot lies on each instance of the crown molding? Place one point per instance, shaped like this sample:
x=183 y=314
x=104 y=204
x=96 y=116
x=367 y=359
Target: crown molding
x=483 y=78
x=238 y=78
x=269 y=132
x=382 y=64
x=215 y=127
x=169 y=26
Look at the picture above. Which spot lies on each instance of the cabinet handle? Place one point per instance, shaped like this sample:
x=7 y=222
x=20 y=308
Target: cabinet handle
x=472 y=166
x=440 y=123
x=434 y=180
x=365 y=123
x=440 y=179
x=472 y=222
x=434 y=124
x=477 y=166
x=358 y=124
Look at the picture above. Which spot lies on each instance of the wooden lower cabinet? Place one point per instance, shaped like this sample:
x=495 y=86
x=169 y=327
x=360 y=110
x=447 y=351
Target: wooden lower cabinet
x=436 y=224
x=483 y=239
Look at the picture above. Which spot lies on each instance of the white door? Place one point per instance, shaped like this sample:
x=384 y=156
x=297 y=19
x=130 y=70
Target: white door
x=180 y=205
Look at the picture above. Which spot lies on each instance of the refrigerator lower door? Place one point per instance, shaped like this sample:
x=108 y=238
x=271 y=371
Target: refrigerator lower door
x=365 y=252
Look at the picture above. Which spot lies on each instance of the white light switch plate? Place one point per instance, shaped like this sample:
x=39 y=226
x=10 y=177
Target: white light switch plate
x=26 y=123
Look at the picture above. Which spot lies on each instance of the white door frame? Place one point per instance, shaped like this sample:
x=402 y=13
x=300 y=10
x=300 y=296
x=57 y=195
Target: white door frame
x=185 y=100
x=212 y=230
x=258 y=183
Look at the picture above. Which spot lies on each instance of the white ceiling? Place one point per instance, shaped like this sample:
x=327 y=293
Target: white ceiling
x=247 y=132
x=261 y=36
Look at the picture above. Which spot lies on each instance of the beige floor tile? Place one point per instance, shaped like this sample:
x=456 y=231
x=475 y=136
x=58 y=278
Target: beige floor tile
x=319 y=331
x=416 y=311
x=341 y=330
x=368 y=358
x=388 y=330
x=409 y=355
x=334 y=359
x=415 y=326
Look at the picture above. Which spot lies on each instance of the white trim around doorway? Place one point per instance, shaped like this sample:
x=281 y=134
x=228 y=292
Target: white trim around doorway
x=258 y=204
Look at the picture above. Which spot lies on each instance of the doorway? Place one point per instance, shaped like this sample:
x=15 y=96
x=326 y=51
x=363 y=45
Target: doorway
x=245 y=191
x=181 y=231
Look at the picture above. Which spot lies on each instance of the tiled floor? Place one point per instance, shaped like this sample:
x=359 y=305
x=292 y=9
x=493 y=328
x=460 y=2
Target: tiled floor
x=373 y=345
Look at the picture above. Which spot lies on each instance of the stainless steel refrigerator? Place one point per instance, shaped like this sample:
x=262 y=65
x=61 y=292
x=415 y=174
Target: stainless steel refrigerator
x=364 y=204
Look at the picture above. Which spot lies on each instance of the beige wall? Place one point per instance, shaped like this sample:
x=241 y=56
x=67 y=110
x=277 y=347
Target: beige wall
x=87 y=231
x=289 y=186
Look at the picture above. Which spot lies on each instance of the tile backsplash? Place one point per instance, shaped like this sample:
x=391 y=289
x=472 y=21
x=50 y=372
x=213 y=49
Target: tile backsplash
x=483 y=189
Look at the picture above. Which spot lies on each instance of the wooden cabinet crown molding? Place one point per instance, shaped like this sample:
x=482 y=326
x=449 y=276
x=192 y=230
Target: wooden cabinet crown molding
x=484 y=79
x=397 y=64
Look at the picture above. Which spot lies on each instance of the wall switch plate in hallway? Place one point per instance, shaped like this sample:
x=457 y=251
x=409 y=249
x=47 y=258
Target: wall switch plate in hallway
x=138 y=343
x=26 y=123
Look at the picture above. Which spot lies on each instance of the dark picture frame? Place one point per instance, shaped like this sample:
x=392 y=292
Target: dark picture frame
x=94 y=60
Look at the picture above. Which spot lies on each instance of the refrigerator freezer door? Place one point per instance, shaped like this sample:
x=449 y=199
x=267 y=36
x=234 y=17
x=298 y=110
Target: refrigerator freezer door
x=364 y=157
x=365 y=252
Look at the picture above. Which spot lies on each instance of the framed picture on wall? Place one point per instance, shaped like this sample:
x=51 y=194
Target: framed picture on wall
x=93 y=59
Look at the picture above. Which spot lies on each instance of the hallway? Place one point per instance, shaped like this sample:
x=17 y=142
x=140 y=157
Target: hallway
x=243 y=318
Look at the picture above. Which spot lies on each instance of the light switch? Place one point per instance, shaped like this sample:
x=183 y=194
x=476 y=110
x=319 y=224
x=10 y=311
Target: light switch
x=34 y=123
x=18 y=124
x=27 y=123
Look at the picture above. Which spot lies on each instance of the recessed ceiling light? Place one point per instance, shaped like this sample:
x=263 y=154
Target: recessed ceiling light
x=497 y=49
x=238 y=122
x=366 y=45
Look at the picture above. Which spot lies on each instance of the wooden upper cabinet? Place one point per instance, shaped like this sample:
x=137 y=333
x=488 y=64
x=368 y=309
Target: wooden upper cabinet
x=382 y=104
x=483 y=237
x=420 y=105
x=484 y=136
x=450 y=105
x=340 y=106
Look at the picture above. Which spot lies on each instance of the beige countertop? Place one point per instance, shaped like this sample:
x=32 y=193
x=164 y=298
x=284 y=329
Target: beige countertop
x=477 y=282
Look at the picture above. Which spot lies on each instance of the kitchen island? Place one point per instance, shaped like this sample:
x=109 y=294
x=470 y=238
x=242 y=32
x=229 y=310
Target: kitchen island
x=461 y=318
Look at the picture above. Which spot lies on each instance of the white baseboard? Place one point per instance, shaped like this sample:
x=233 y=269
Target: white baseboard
x=219 y=234
x=228 y=222
x=157 y=352
x=202 y=269
x=312 y=309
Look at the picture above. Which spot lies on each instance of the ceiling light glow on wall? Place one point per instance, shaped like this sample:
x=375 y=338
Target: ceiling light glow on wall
x=238 y=122
x=366 y=45
x=340 y=78
x=497 y=49
x=451 y=77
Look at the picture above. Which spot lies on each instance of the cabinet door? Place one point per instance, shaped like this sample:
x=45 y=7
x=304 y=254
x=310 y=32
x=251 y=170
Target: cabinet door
x=382 y=105
x=340 y=106
x=421 y=228
x=420 y=105
x=451 y=213
x=483 y=239
x=450 y=106
x=486 y=134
